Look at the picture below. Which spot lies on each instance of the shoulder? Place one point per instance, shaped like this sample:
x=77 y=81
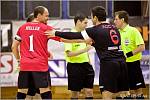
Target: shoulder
x=132 y=28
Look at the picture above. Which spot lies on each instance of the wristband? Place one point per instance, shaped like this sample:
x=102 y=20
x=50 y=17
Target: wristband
x=129 y=54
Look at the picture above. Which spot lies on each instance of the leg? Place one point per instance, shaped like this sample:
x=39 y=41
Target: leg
x=21 y=94
x=45 y=93
x=23 y=80
x=41 y=80
x=75 y=79
x=89 y=80
x=136 y=79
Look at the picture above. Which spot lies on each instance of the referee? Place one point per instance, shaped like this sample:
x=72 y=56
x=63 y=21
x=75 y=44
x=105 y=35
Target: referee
x=132 y=44
x=80 y=71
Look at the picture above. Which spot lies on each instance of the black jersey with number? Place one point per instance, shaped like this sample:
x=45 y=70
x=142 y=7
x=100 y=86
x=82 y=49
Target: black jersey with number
x=106 y=38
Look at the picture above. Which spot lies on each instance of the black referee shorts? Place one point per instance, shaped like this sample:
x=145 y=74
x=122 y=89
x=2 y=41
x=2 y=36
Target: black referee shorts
x=136 y=79
x=39 y=79
x=80 y=75
x=113 y=76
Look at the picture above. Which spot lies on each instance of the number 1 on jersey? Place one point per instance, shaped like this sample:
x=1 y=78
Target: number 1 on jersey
x=31 y=43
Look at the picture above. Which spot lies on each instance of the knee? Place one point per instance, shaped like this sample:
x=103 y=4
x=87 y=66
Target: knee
x=23 y=91
x=43 y=90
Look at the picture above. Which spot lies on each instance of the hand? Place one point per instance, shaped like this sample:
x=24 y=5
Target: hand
x=50 y=33
x=17 y=69
x=89 y=47
x=89 y=41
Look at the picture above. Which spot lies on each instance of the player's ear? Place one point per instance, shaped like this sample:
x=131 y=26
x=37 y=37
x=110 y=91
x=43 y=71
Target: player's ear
x=122 y=19
x=39 y=15
x=78 y=21
x=95 y=18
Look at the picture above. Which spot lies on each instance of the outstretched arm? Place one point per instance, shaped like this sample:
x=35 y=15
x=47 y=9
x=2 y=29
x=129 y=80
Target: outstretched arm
x=73 y=40
x=65 y=35
x=69 y=35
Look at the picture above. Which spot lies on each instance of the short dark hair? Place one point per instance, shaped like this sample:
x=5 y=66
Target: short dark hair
x=38 y=10
x=99 y=12
x=79 y=16
x=122 y=14
x=30 y=18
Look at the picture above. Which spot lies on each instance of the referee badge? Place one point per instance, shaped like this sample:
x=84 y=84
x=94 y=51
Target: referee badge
x=127 y=42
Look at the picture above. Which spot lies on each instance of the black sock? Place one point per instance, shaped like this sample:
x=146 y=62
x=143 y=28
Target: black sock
x=21 y=95
x=88 y=97
x=46 y=95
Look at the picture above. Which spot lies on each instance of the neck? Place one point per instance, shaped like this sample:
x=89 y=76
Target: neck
x=35 y=20
x=78 y=29
x=123 y=26
x=99 y=22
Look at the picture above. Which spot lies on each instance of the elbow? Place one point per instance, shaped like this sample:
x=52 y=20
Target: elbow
x=142 y=47
x=12 y=47
x=69 y=55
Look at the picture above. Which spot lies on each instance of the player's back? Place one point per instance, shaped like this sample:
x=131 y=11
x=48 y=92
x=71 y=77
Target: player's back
x=33 y=46
x=107 y=41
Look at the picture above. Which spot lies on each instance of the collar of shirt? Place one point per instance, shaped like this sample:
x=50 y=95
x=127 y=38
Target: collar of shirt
x=125 y=29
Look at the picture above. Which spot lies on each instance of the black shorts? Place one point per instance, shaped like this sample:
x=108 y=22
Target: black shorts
x=40 y=79
x=113 y=76
x=136 y=79
x=80 y=75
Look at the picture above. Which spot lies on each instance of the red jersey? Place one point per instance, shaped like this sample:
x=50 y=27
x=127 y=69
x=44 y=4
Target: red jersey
x=33 y=46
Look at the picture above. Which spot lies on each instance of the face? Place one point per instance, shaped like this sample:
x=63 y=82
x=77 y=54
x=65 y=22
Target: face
x=44 y=17
x=118 y=22
x=93 y=19
x=82 y=24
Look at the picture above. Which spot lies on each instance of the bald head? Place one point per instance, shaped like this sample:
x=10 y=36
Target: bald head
x=41 y=14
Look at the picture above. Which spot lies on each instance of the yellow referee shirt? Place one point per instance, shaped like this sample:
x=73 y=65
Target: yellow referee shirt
x=130 y=39
x=73 y=47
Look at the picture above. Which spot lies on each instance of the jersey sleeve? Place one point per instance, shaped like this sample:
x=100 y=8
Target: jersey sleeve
x=69 y=35
x=18 y=35
x=88 y=33
x=138 y=37
x=49 y=27
x=56 y=38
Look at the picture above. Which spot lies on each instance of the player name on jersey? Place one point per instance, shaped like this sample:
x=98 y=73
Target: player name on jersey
x=32 y=28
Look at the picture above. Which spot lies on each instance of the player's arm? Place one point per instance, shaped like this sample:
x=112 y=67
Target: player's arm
x=78 y=52
x=65 y=35
x=73 y=40
x=15 y=49
x=69 y=35
x=139 y=49
x=139 y=42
